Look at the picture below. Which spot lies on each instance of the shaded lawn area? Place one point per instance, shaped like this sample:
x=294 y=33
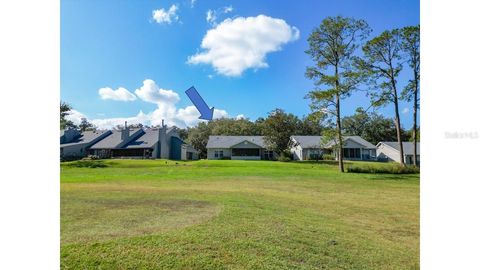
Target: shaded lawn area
x=153 y=214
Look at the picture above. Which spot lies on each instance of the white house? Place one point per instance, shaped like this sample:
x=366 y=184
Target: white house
x=238 y=147
x=390 y=151
x=313 y=147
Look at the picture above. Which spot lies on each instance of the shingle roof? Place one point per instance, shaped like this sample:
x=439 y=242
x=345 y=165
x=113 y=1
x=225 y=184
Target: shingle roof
x=229 y=141
x=112 y=140
x=407 y=147
x=86 y=137
x=315 y=141
x=147 y=140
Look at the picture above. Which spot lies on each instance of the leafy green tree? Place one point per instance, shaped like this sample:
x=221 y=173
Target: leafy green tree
x=410 y=44
x=332 y=46
x=370 y=126
x=381 y=65
x=311 y=124
x=85 y=125
x=278 y=127
x=65 y=108
x=198 y=138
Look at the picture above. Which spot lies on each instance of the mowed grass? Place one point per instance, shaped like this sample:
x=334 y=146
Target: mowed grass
x=157 y=214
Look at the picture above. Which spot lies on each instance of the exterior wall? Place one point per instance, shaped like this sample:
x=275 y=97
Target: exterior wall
x=211 y=152
x=76 y=150
x=388 y=153
x=175 y=148
x=297 y=152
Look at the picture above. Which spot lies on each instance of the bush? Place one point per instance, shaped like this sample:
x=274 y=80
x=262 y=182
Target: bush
x=328 y=157
x=87 y=164
x=285 y=156
x=225 y=158
x=70 y=158
x=394 y=169
x=91 y=157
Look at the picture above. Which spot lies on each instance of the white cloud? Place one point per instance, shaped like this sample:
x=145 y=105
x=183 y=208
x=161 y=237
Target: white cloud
x=211 y=16
x=150 y=92
x=165 y=16
x=166 y=109
x=240 y=116
x=192 y=3
x=120 y=94
x=227 y=9
x=75 y=116
x=405 y=110
x=238 y=44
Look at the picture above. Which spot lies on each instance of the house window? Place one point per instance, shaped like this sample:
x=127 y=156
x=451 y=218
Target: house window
x=219 y=153
x=246 y=152
x=351 y=152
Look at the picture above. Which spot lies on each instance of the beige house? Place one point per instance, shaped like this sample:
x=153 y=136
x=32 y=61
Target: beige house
x=390 y=151
x=238 y=147
x=313 y=147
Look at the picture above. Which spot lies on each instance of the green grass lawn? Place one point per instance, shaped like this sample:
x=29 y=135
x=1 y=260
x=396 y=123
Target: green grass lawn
x=157 y=214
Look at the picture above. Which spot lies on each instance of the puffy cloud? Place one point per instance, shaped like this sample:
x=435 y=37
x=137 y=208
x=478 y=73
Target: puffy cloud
x=150 y=92
x=75 y=116
x=166 y=109
x=238 y=44
x=120 y=94
x=165 y=16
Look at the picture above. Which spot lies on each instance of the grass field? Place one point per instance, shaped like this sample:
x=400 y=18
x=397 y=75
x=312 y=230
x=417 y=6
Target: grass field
x=145 y=214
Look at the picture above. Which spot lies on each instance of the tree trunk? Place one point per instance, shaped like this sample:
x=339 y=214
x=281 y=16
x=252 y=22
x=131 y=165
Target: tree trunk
x=340 y=140
x=415 y=108
x=339 y=124
x=397 y=122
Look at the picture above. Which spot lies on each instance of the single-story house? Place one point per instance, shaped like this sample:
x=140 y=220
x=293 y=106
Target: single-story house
x=390 y=151
x=238 y=147
x=313 y=147
x=126 y=143
x=75 y=144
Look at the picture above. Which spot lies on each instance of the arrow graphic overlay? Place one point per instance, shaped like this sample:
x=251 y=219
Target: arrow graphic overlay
x=206 y=113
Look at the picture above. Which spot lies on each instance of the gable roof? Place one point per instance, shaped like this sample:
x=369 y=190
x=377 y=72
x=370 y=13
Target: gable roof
x=113 y=140
x=86 y=137
x=407 y=147
x=315 y=141
x=229 y=141
x=147 y=140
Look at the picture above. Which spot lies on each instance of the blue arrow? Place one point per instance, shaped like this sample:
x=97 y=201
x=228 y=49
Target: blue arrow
x=206 y=113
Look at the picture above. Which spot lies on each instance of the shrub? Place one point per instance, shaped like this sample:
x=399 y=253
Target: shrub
x=225 y=158
x=87 y=164
x=393 y=169
x=328 y=157
x=285 y=156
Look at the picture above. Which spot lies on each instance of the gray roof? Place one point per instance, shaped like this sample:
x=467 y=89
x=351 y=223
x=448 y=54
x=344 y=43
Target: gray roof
x=407 y=147
x=215 y=141
x=85 y=137
x=112 y=140
x=315 y=141
x=147 y=140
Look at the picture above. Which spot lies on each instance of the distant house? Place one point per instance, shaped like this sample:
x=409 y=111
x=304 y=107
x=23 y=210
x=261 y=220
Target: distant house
x=390 y=151
x=313 y=147
x=238 y=147
x=129 y=143
x=75 y=144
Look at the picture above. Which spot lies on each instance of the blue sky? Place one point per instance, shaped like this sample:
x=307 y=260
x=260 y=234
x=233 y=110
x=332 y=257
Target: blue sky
x=113 y=44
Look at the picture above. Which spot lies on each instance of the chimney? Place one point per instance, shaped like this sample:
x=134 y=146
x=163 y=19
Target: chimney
x=125 y=132
x=162 y=141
